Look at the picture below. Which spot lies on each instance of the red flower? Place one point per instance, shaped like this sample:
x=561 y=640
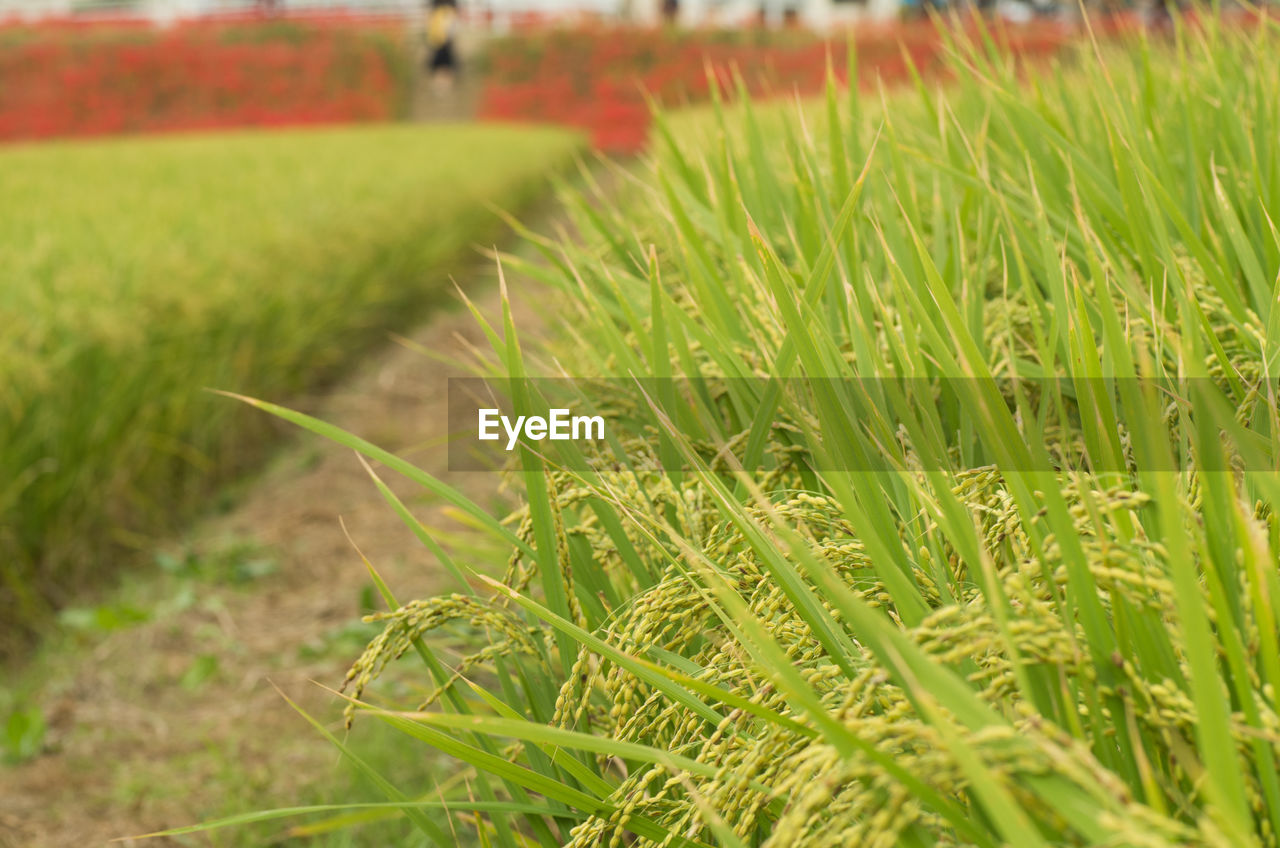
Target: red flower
x=592 y=76
x=68 y=78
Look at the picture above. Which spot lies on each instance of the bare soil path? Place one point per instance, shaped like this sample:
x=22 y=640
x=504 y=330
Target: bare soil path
x=167 y=722
x=459 y=100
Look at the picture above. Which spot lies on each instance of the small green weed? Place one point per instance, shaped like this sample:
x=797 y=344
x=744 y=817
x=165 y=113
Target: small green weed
x=23 y=734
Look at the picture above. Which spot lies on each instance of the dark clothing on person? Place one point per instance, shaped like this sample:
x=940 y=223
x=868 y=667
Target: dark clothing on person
x=442 y=58
x=441 y=26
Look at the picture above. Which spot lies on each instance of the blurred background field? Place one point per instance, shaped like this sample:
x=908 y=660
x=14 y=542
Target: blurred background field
x=130 y=68
x=136 y=274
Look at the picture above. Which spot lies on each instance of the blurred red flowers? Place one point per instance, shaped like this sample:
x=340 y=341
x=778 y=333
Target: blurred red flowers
x=64 y=78
x=596 y=77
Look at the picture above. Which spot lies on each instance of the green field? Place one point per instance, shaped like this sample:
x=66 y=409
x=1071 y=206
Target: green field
x=995 y=564
x=134 y=274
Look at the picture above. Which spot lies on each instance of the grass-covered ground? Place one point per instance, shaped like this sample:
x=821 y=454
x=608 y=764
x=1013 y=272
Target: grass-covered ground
x=158 y=702
x=1001 y=568
x=134 y=274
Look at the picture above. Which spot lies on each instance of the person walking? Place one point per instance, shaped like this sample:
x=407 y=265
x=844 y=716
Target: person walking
x=441 y=37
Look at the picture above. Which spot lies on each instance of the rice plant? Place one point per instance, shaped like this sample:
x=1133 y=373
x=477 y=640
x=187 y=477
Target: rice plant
x=138 y=273
x=941 y=510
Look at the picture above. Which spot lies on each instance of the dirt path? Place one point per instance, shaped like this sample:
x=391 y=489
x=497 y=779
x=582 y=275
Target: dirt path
x=431 y=100
x=176 y=719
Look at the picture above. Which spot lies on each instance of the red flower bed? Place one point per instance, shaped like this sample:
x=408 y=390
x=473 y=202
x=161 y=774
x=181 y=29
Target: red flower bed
x=596 y=78
x=65 y=78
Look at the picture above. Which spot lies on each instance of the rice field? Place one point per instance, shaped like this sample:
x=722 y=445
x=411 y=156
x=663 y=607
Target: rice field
x=940 y=503
x=138 y=273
